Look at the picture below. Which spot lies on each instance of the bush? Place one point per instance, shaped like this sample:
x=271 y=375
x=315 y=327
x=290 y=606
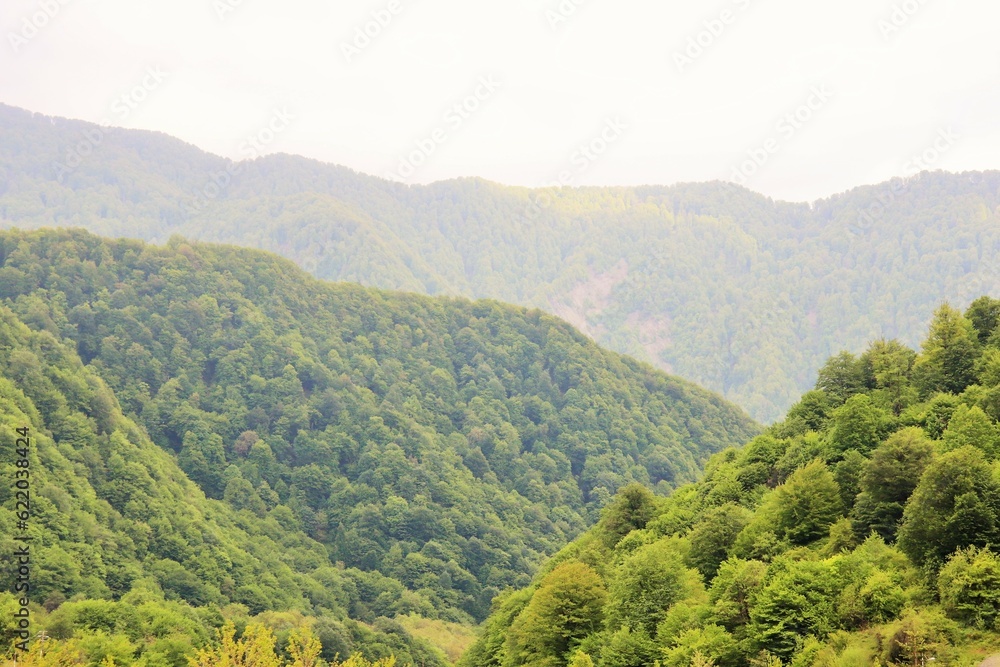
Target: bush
x=969 y=585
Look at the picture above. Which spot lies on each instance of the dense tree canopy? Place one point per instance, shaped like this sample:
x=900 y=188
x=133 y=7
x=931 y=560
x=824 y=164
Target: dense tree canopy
x=231 y=435
x=861 y=530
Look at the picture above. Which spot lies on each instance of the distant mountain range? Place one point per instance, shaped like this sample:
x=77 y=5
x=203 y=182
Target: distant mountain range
x=723 y=286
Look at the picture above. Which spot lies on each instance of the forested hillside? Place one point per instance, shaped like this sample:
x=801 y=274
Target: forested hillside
x=128 y=554
x=864 y=529
x=742 y=294
x=366 y=455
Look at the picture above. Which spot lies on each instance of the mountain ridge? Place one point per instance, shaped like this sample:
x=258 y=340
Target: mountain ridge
x=738 y=292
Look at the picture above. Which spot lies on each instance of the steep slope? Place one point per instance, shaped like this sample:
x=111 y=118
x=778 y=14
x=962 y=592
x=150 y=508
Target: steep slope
x=113 y=517
x=737 y=292
x=861 y=530
x=449 y=445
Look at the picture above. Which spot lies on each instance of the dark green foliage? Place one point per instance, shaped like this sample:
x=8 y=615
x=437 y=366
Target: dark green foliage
x=446 y=444
x=631 y=510
x=888 y=480
x=713 y=536
x=956 y=504
x=116 y=520
x=948 y=358
x=984 y=314
x=841 y=377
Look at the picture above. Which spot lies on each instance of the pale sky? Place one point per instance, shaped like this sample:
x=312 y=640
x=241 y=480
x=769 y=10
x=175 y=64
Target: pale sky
x=558 y=79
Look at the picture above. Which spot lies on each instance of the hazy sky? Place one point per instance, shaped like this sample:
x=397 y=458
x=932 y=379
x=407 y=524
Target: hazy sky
x=869 y=84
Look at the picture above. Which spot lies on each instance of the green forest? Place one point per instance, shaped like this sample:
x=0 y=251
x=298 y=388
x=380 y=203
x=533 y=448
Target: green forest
x=860 y=530
x=225 y=446
x=725 y=287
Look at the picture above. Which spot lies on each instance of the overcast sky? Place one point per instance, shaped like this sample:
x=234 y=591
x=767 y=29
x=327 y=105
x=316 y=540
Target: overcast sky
x=869 y=84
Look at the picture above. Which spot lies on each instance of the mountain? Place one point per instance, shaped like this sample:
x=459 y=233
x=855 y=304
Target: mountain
x=381 y=455
x=863 y=529
x=739 y=293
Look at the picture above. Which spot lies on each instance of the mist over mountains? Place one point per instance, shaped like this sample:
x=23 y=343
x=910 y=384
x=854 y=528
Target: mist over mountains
x=713 y=282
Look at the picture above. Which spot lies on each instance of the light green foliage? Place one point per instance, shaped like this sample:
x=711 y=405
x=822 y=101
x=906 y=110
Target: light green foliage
x=709 y=642
x=891 y=366
x=969 y=585
x=816 y=577
x=734 y=589
x=627 y=647
x=798 y=600
x=800 y=510
x=971 y=427
x=567 y=606
x=916 y=637
x=858 y=425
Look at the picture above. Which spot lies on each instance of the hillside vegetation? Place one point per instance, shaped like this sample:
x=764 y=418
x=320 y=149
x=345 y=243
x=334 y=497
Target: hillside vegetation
x=379 y=455
x=127 y=554
x=725 y=287
x=861 y=530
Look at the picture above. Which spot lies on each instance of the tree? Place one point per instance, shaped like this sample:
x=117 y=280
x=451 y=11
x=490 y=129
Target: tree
x=711 y=644
x=567 y=606
x=628 y=648
x=888 y=481
x=969 y=585
x=859 y=425
x=984 y=314
x=948 y=356
x=971 y=427
x=806 y=505
x=630 y=510
x=841 y=377
x=304 y=648
x=891 y=365
x=645 y=585
x=797 y=601
x=713 y=535
x=955 y=505
x=254 y=649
